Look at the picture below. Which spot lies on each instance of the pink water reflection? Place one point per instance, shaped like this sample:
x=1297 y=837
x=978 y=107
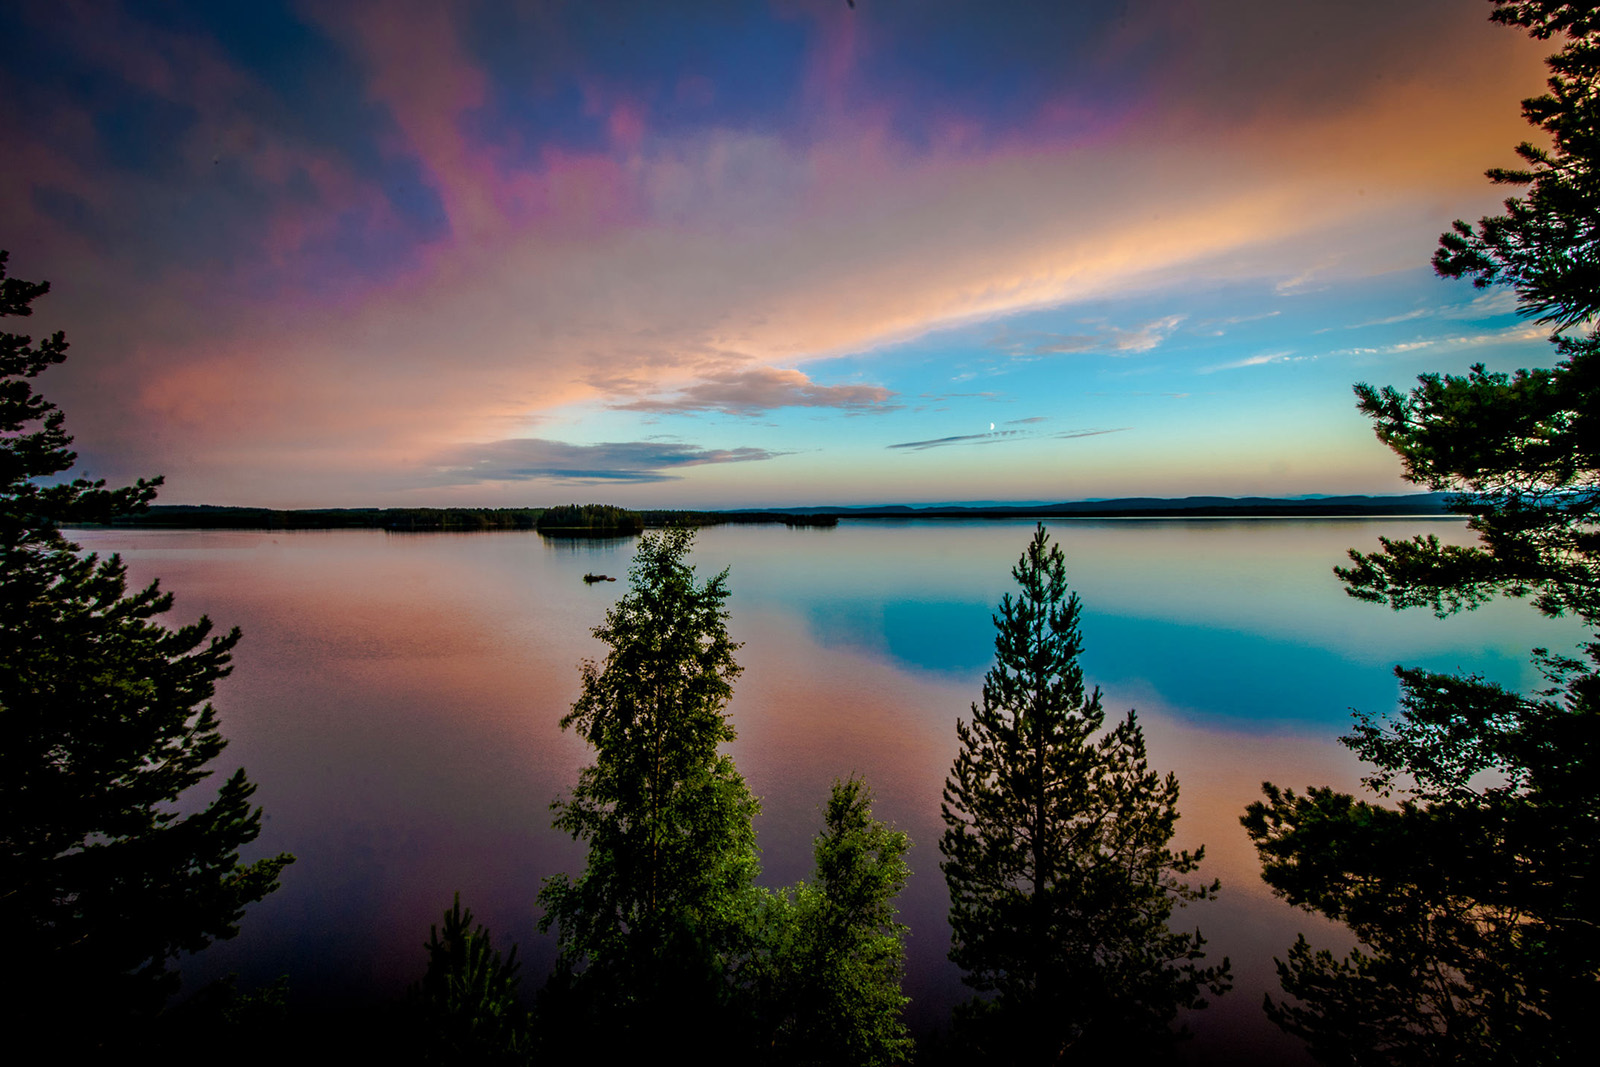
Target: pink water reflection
x=397 y=698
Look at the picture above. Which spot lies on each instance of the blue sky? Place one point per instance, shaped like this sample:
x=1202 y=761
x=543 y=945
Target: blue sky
x=747 y=253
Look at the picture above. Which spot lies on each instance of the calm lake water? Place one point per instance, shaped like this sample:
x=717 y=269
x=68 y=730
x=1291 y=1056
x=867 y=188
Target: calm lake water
x=397 y=698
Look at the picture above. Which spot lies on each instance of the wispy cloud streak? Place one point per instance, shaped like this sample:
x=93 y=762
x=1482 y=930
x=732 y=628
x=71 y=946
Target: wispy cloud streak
x=762 y=389
x=1104 y=338
x=533 y=459
x=994 y=437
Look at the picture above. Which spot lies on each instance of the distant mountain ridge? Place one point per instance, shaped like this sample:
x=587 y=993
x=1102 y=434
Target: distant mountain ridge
x=1199 y=506
x=204 y=516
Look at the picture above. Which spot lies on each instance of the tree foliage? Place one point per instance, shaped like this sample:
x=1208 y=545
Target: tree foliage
x=591 y=518
x=1471 y=887
x=1472 y=897
x=1522 y=450
x=1547 y=244
x=466 y=1008
x=658 y=921
x=107 y=727
x=828 y=985
x=1056 y=851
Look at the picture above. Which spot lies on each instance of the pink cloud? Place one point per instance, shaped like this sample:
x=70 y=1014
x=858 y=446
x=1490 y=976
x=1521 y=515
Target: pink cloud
x=625 y=127
x=730 y=248
x=756 y=390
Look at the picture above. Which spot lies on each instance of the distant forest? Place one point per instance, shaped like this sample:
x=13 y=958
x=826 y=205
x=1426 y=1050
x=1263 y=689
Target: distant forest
x=609 y=520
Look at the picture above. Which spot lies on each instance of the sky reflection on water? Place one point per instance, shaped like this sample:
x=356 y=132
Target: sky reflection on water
x=397 y=698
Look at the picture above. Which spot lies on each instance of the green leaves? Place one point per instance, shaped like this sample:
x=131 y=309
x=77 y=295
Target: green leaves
x=665 y=923
x=657 y=918
x=466 y=1009
x=832 y=954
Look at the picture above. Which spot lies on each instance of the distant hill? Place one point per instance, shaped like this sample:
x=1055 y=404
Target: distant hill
x=1151 y=507
x=212 y=517
x=205 y=516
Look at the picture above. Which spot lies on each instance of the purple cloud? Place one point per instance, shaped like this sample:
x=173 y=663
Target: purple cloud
x=532 y=459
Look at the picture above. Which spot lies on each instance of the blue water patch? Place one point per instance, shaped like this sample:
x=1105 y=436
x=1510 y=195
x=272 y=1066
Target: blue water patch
x=1235 y=678
x=1209 y=675
x=952 y=638
x=943 y=637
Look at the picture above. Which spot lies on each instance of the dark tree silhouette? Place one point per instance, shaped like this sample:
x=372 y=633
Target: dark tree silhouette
x=1056 y=852
x=1522 y=450
x=105 y=726
x=1473 y=896
x=466 y=1009
x=1547 y=244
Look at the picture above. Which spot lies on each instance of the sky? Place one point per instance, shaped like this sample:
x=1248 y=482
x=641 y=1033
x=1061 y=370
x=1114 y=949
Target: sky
x=726 y=254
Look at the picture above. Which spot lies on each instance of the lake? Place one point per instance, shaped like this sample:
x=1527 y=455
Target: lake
x=397 y=699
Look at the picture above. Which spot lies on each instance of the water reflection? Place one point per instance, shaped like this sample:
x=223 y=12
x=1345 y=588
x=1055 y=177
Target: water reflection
x=398 y=699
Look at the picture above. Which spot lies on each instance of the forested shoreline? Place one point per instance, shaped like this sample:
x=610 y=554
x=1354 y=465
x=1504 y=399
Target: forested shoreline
x=624 y=521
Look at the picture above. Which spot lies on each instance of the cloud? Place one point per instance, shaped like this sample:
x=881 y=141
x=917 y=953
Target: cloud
x=1390 y=320
x=1112 y=340
x=1500 y=301
x=1508 y=335
x=1028 y=421
x=760 y=389
x=1261 y=360
x=533 y=459
x=1300 y=282
x=407 y=226
x=1214 y=327
x=987 y=394
x=1071 y=434
x=996 y=437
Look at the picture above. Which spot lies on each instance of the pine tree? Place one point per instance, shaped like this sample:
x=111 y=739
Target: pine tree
x=105 y=723
x=1547 y=244
x=1522 y=450
x=655 y=927
x=1056 y=851
x=466 y=1009
x=1472 y=897
x=1469 y=881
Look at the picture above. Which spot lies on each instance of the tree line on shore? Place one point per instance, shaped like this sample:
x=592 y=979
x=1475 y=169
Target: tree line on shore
x=1466 y=875
x=602 y=520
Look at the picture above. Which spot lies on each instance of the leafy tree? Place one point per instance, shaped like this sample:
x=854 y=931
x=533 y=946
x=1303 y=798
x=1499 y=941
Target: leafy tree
x=1056 y=851
x=1472 y=890
x=466 y=1008
x=655 y=928
x=107 y=727
x=830 y=987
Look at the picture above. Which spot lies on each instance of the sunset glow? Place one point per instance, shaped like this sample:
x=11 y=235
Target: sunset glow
x=393 y=254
